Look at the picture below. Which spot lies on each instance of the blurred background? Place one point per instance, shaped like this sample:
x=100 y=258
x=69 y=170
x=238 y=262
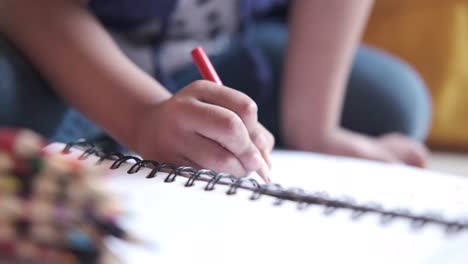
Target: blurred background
x=432 y=35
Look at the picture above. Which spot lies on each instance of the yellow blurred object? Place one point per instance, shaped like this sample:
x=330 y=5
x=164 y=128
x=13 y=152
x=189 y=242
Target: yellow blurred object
x=432 y=35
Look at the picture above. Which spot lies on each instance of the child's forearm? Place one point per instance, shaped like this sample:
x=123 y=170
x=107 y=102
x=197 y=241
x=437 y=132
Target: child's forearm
x=324 y=35
x=81 y=61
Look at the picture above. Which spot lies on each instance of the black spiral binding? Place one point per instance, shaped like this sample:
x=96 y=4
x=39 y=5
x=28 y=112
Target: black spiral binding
x=300 y=196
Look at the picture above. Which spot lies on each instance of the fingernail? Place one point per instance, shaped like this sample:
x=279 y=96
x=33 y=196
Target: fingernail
x=264 y=174
x=261 y=167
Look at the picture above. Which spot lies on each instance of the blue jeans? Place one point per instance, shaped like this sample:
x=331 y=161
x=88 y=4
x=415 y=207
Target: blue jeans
x=383 y=93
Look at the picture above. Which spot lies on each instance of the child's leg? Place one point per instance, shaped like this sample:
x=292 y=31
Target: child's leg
x=27 y=101
x=383 y=95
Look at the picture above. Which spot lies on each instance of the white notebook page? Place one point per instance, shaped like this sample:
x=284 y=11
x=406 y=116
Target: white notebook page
x=391 y=185
x=189 y=224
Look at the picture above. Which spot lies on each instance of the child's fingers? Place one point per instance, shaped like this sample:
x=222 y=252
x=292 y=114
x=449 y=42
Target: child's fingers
x=415 y=158
x=376 y=152
x=240 y=105
x=227 y=129
x=264 y=173
x=264 y=141
x=209 y=154
x=236 y=101
x=346 y=143
x=413 y=153
x=408 y=151
x=421 y=154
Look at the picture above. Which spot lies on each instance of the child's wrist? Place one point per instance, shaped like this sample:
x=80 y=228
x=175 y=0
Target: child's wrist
x=131 y=118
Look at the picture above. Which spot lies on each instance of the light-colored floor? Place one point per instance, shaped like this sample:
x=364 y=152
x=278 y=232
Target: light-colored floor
x=454 y=163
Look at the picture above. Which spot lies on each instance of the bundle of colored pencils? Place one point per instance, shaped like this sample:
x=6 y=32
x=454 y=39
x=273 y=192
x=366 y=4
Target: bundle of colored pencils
x=52 y=210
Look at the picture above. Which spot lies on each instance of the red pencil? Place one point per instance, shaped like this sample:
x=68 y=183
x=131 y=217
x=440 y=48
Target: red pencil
x=204 y=65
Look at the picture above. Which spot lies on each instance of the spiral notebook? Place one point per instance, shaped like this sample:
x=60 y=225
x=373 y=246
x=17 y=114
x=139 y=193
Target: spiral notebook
x=321 y=209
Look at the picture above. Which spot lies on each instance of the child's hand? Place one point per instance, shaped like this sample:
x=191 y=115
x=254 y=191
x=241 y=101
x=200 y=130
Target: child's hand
x=389 y=148
x=206 y=125
x=405 y=149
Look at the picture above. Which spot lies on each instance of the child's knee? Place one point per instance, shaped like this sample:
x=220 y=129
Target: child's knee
x=389 y=93
x=412 y=98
